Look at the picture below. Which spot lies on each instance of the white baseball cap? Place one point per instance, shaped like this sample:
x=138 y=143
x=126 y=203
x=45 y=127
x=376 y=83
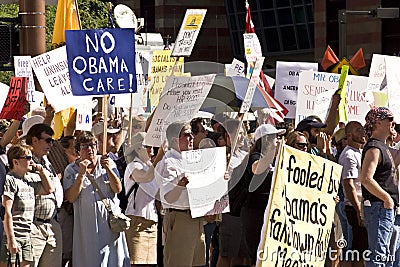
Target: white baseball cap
x=265 y=129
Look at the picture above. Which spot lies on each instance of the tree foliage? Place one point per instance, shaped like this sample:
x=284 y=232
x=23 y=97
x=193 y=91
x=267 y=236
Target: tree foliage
x=93 y=14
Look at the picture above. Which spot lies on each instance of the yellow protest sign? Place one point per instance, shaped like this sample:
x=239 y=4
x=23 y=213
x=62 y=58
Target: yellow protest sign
x=299 y=215
x=342 y=108
x=193 y=21
x=380 y=99
x=161 y=67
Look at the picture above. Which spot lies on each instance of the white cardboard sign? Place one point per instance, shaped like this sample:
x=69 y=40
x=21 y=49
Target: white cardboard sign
x=180 y=100
x=143 y=66
x=237 y=68
x=286 y=83
x=51 y=69
x=252 y=47
x=255 y=78
x=316 y=90
x=188 y=33
x=84 y=115
x=205 y=169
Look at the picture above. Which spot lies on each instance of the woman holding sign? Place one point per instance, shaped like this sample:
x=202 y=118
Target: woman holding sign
x=258 y=177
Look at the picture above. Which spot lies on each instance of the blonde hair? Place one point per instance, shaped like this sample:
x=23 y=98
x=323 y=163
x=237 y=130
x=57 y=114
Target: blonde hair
x=16 y=152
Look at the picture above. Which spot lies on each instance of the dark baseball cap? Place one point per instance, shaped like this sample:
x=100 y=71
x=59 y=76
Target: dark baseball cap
x=309 y=123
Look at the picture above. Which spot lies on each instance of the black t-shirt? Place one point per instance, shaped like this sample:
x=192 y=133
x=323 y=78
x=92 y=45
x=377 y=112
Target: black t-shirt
x=385 y=174
x=259 y=185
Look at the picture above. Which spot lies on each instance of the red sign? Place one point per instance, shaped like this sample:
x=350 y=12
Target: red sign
x=13 y=108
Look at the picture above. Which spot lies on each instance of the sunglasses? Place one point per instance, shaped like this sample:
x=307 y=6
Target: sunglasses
x=188 y=134
x=26 y=157
x=48 y=140
x=301 y=145
x=92 y=145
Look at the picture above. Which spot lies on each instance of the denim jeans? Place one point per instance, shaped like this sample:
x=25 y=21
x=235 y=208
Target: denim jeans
x=379 y=223
x=395 y=242
x=346 y=227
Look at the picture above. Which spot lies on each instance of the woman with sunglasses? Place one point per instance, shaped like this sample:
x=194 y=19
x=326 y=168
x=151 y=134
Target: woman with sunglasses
x=21 y=186
x=297 y=140
x=258 y=177
x=94 y=244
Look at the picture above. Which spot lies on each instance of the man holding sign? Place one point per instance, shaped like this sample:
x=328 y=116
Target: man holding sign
x=184 y=235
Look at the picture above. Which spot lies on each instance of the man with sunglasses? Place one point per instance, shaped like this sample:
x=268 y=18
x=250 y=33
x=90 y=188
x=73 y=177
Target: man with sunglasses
x=184 y=235
x=350 y=159
x=312 y=128
x=46 y=235
x=379 y=180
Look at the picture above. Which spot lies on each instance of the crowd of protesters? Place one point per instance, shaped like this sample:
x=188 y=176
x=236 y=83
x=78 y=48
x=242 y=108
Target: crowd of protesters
x=53 y=215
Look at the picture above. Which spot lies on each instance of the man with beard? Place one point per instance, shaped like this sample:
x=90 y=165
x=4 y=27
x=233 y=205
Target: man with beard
x=350 y=159
x=311 y=127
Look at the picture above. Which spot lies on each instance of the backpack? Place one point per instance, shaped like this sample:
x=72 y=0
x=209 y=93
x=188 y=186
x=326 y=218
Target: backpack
x=123 y=196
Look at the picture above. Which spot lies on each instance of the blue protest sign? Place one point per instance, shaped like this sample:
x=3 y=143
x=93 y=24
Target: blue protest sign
x=101 y=61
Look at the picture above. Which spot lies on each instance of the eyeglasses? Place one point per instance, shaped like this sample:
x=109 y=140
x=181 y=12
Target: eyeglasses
x=301 y=145
x=92 y=145
x=48 y=140
x=26 y=157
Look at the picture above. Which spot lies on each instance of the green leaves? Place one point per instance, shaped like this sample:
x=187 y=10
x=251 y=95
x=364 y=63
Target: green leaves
x=93 y=14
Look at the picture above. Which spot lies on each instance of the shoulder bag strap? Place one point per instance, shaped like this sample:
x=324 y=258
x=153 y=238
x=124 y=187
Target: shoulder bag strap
x=98 y=190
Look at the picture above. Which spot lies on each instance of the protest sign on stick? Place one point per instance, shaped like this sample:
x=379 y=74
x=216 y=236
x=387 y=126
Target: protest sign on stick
x=51 y=70
x=299 y=216
x=255 y=78
x=13 y=108
x=22 y=68
x=84 y=115
x=101 y=61
x=180 y=100
x=188 y=32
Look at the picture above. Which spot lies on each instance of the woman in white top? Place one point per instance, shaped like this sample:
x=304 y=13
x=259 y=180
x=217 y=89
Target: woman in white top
x=142 y=188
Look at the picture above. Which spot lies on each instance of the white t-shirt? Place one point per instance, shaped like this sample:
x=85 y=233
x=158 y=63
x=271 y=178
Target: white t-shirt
x=350 y=159
x=143 y=205
x=168 y=173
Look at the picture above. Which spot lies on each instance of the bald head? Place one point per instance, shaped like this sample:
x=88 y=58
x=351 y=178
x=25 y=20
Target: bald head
x=355 y=134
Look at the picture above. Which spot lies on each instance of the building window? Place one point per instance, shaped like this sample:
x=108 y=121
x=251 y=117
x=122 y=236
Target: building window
x=283 y=26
